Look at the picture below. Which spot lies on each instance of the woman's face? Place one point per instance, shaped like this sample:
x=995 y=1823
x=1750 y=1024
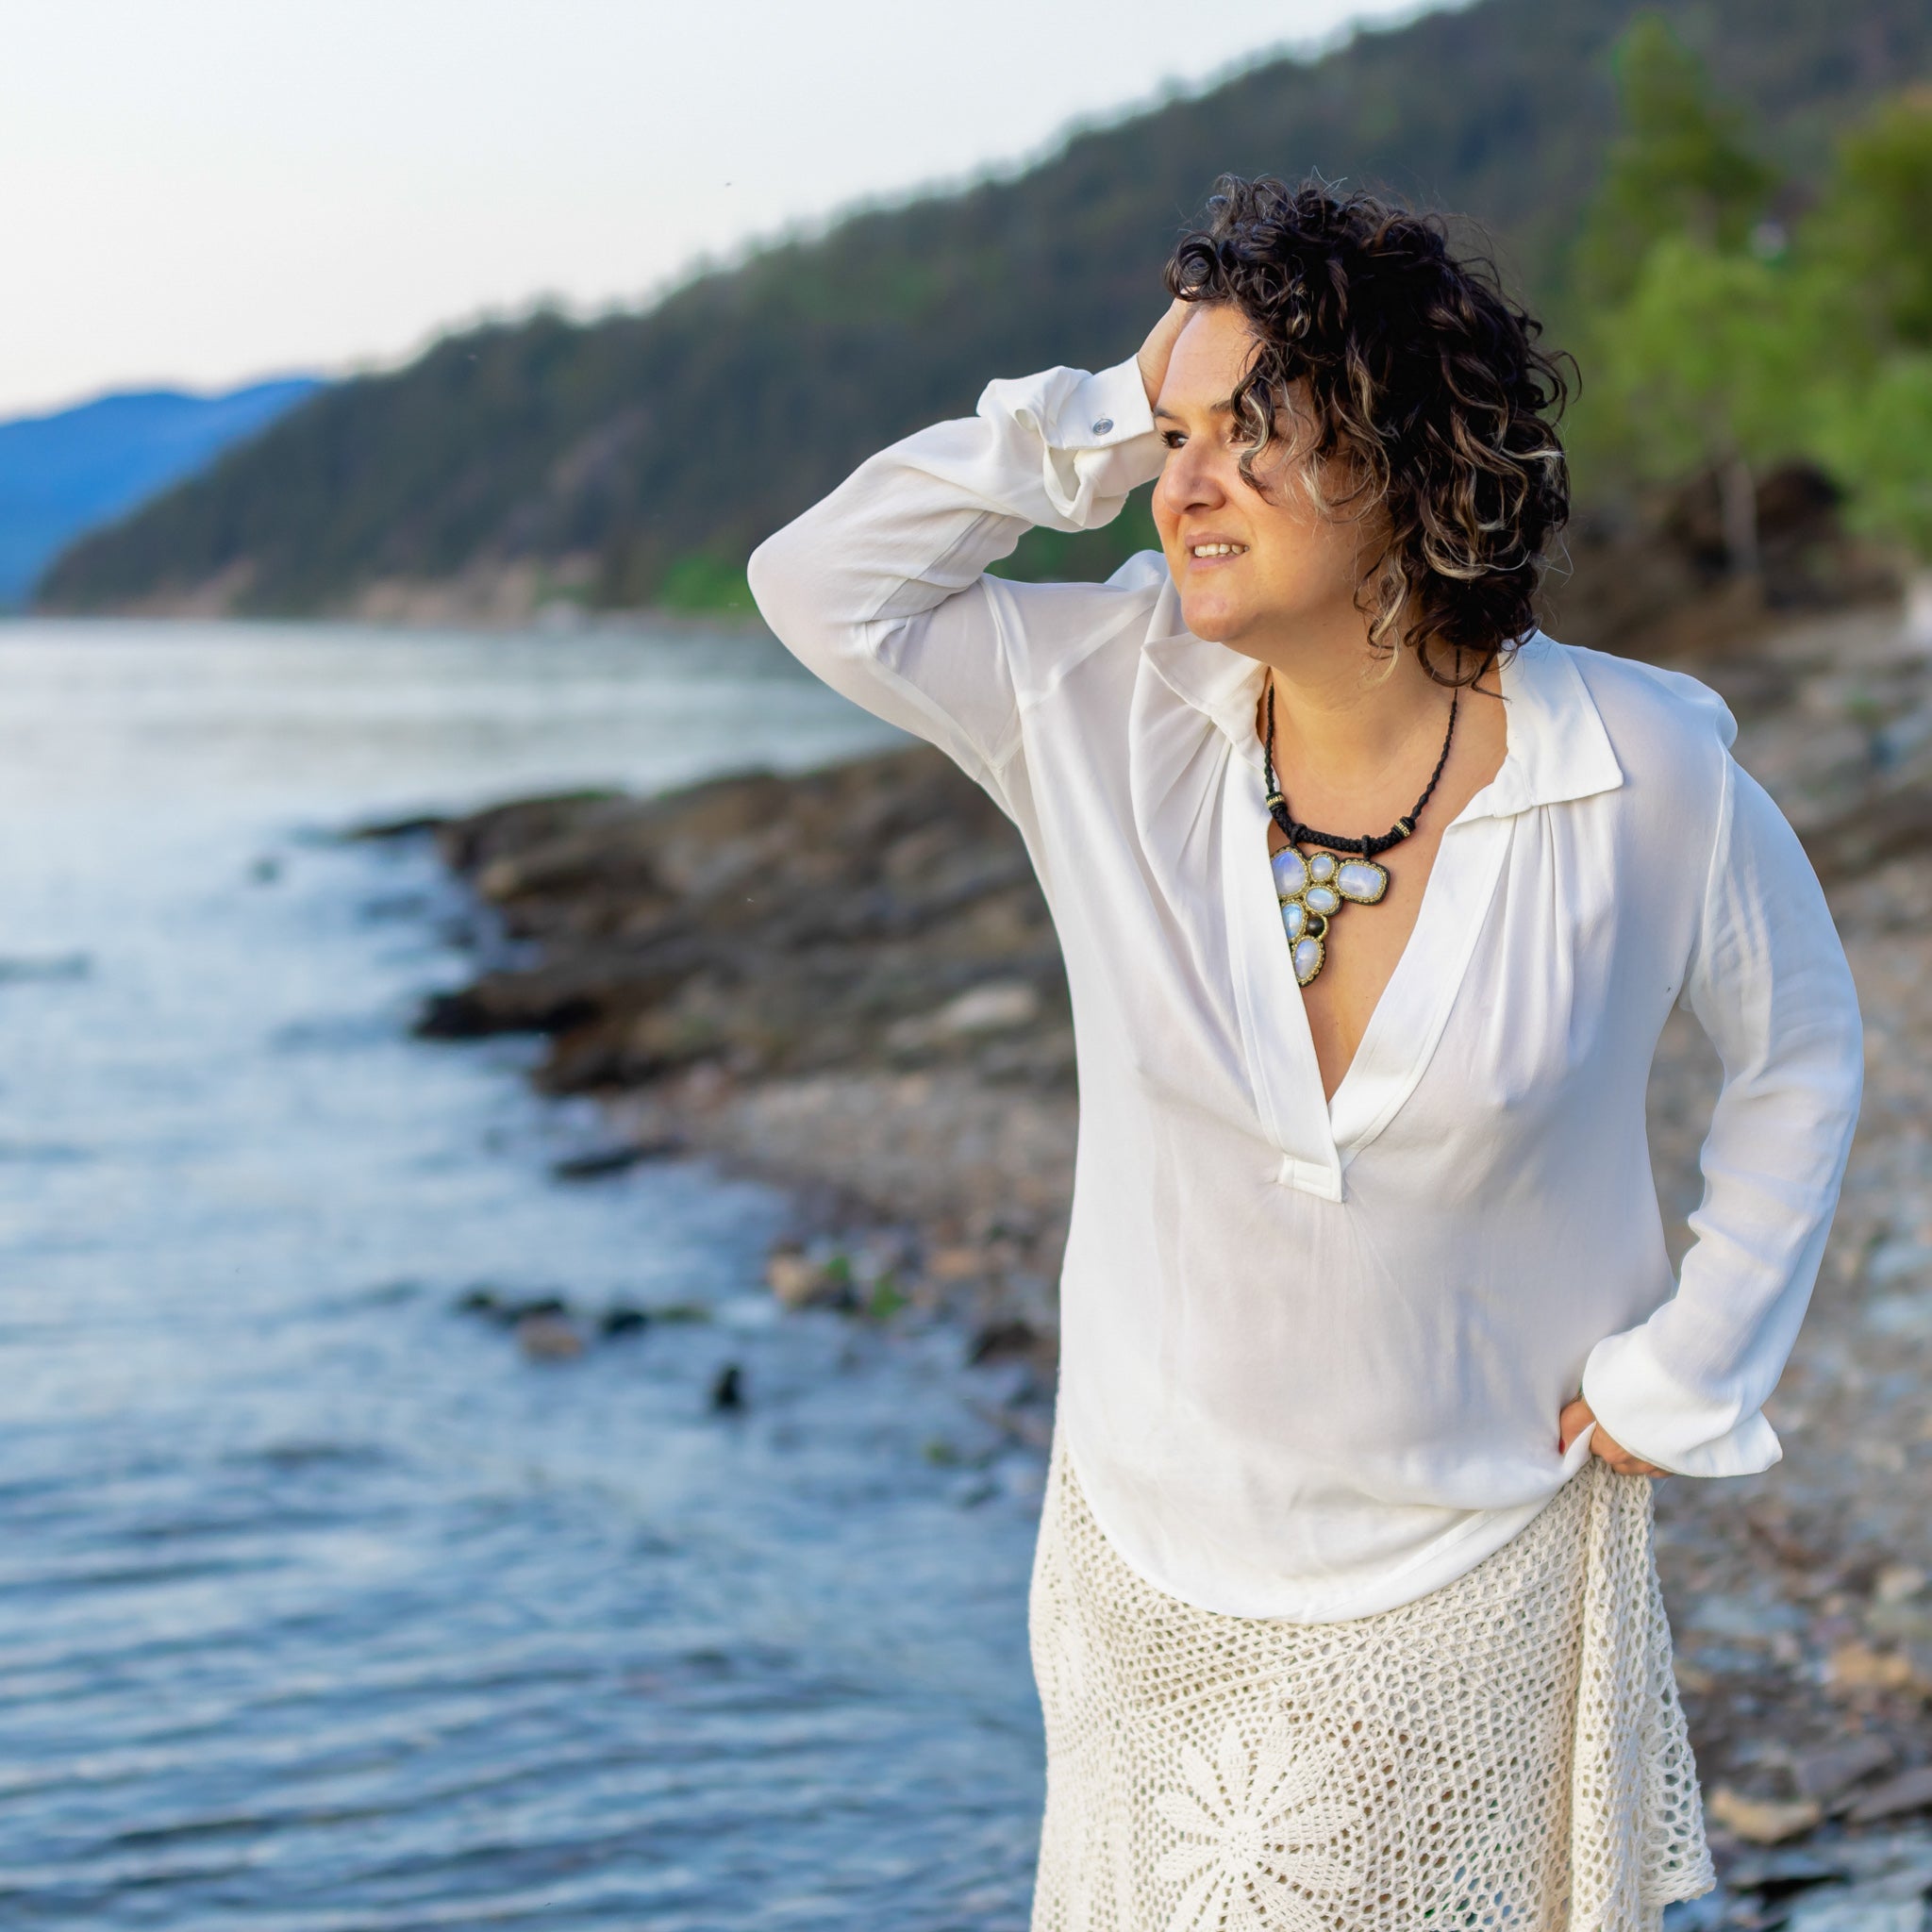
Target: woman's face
x=1256 y=570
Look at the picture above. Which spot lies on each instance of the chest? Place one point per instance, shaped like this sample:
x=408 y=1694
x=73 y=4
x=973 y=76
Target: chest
x=1364 y=945
x=1489 y=999
x=1361 y=948
x=1487 y=975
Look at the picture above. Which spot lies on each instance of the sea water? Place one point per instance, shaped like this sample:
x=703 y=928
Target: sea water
x=322 y=1607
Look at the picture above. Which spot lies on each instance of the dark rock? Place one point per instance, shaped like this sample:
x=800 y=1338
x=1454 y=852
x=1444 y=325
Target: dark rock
x=1825 y=1774
x=550 y=998
x=470 y=842
x=1002 y=1342
x=766 y=924
x=727 y=1388
x=413 y=827
x=1779 y=1874
x=497 y=1307
x=1892 y=824
x=606 y=1160
x=1911 y=1790
x=620 y=1320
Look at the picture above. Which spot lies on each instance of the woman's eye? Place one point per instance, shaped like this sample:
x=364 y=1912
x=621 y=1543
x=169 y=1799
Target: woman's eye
x=1173 y=438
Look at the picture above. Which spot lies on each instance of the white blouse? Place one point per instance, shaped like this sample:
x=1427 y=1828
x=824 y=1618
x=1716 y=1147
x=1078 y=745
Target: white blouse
x=1313 y=1351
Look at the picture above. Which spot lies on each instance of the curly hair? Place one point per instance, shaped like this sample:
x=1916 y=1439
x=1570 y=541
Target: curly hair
x=1424 y=386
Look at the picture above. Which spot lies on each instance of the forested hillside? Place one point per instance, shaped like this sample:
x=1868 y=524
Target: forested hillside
x=639 y=459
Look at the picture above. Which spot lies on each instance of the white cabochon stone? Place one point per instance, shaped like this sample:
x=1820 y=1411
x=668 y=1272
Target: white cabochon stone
x=1360 y=881
x=1323 y=899
x=1307 y=959
x=1295 y=919
x=1322 y=866
x=1291 y=873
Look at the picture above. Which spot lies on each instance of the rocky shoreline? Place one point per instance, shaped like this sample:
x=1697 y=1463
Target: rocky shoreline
x=848 y=981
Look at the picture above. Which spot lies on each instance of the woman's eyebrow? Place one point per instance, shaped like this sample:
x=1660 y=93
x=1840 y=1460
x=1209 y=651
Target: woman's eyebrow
x=1224 y=407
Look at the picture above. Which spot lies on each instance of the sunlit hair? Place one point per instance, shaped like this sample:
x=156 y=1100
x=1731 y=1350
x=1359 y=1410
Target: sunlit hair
x=1386 y=363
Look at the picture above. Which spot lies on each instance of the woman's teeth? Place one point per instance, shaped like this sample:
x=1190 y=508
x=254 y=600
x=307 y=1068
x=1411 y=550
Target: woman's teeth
x=1217 y=550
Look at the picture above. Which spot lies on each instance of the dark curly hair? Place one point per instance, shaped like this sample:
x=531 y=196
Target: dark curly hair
x=1425 y=382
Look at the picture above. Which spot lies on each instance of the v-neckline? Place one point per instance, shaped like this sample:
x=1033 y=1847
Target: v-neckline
x=1319 y=1132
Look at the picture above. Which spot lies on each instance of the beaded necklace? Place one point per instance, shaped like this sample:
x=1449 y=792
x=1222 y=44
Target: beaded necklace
x=1313 y=887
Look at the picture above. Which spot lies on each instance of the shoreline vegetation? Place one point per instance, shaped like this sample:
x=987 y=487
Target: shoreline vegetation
x=846 y=981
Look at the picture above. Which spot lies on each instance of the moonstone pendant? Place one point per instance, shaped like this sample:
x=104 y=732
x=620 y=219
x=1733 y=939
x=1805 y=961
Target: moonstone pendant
x=1360 y=880
x=1312 y=889
x=1291 y=873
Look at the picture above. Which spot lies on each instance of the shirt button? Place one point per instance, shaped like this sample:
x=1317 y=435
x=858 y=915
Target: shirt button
x=1104 y=426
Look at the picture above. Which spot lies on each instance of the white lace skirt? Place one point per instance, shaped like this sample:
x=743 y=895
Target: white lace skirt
x=1506 y=1752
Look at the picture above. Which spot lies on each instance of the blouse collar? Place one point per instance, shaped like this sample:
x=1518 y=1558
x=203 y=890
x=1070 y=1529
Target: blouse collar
x=1558 y=747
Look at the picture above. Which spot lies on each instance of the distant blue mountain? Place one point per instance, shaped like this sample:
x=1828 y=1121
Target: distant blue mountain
x=64 y=474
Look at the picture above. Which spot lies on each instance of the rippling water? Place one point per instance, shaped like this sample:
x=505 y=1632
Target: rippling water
x=320 y=1607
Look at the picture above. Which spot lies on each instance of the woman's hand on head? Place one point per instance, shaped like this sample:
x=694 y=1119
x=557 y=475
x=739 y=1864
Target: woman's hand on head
x=1159 y=346
x=1577 y=1417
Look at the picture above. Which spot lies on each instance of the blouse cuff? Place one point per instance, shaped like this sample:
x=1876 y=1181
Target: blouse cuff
x=1095 y=434
x=1657 y=1418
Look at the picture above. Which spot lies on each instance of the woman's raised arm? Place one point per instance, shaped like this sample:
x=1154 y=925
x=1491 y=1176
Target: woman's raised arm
x=880 y=588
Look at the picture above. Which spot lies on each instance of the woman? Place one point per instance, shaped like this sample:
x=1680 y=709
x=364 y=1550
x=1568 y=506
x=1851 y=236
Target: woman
x=1374 y=902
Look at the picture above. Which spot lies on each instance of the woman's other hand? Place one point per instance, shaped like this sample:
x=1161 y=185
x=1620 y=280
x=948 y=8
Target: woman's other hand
x=1577 y=1417
x=1159 y=346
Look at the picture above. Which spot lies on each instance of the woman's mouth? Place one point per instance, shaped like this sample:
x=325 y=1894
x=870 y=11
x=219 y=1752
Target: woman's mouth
x=1217 y=552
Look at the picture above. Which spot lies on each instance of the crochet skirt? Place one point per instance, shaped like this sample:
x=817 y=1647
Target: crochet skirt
x=1507 y=1752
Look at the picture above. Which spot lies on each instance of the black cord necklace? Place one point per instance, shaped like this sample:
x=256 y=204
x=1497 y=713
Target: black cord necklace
x=1313 y=887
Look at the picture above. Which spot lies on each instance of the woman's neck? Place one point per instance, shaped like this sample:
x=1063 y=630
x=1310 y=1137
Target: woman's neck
x=1342 y=717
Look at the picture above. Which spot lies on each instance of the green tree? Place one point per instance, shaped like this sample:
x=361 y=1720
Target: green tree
x=1870 y=243
x=707 y=585
x=1684 y=314
x=1876 y=438
x=1872 y=230
x=1711 y=362
x=1679 y=165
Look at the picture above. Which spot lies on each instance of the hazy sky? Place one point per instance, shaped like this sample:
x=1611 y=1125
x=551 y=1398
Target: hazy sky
x=198 y=191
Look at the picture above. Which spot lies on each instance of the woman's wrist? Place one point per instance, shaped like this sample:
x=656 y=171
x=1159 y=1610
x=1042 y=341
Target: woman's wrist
x=1159 y=347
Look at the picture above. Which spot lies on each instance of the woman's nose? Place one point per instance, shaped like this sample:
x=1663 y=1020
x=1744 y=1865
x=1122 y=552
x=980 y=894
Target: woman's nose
x=1188 y=481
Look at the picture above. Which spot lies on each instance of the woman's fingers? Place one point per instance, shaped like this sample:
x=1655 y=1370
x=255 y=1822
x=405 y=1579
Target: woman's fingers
x=1621 y=1459
x=1605 y=1444
x=1577 y=1417
x=1159 y=346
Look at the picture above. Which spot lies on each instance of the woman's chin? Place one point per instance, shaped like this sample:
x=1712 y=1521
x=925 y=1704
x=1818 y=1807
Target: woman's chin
x=1213 y=620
